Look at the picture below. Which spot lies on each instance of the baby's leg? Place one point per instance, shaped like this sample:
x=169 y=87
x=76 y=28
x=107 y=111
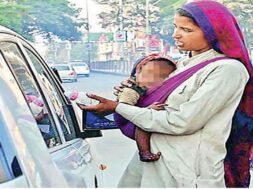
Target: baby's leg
x=143 y=142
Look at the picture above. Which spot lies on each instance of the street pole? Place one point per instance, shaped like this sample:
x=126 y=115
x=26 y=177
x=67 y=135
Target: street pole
x=147 y=28
x=121 y=45
x=120 y=15
x=88 y=47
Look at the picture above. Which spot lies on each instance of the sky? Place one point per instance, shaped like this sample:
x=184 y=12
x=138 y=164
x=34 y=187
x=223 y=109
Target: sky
x=94 y=9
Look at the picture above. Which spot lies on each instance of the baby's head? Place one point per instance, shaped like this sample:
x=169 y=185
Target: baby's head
x=152 y=70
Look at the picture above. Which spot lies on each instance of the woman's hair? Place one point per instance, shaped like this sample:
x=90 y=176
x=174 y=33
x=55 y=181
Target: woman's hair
x=183 y=12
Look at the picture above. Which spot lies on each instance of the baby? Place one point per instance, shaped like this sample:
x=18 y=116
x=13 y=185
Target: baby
x=147 y=73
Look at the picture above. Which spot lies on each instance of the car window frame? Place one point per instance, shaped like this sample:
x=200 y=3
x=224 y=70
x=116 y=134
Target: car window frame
x=75 y=126
x=53 y=118
x=60 y=92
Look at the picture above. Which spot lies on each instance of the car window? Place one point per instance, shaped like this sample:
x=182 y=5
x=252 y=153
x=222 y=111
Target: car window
x=33 y=96
x=57 y=100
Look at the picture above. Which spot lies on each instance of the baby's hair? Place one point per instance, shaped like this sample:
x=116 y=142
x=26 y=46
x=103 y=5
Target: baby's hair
x=169 y=62
x=159 y=59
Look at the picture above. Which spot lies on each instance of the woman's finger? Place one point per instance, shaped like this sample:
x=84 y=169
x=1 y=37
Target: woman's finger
x=95 y=97
x=155 y=103
x=92 y=108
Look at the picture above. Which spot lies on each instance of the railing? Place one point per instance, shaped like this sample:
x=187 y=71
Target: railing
x=112 y=66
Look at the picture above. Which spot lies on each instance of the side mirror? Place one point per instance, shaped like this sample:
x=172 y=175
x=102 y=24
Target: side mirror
x=94 y=121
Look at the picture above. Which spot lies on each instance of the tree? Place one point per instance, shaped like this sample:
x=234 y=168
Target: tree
x=51 y=18
x=11 y=15
x=48 y=18
x=243 y=10
x=132 y=16
x=166 y=15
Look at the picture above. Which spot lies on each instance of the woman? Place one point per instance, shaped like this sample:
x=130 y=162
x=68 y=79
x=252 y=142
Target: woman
x=191 y=133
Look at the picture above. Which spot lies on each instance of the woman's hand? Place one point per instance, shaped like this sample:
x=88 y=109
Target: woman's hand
x=157 y=106
x=105 y=106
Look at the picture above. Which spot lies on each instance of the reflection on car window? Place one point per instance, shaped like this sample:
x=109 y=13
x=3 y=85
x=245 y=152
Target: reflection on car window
x=35 y=101
x=61 y=68
x=53 y=95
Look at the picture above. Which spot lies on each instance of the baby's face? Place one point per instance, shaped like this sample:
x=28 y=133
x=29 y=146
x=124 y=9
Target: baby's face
x=153 y=73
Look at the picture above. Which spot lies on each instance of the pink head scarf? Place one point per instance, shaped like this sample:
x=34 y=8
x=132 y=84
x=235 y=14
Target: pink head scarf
x=223 y=33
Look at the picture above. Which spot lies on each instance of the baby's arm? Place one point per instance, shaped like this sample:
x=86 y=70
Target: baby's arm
x=130 y=95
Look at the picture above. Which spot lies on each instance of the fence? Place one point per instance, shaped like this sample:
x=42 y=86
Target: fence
x=112 y=66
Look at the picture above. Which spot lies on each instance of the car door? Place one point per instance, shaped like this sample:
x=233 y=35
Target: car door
x=55 y=124
x=24 y=157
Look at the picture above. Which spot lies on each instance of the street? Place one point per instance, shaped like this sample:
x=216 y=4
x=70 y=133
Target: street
x=113 y=149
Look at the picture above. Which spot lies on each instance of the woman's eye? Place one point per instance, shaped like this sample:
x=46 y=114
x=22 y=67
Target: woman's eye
x=187 y=30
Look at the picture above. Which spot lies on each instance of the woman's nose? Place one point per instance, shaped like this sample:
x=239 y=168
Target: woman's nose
x=176 y=34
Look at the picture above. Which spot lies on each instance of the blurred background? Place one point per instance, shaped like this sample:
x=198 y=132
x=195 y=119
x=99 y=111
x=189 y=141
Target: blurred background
x=108 y=35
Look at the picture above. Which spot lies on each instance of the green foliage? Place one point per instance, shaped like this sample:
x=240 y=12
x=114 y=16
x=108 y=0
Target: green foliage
x=49 y=18
x=11 y=14
x=243 y=10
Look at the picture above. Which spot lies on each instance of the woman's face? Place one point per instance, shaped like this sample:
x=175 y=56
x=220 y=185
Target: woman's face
x=188 y=36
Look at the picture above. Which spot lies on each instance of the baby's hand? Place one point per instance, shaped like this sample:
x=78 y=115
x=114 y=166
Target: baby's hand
x=157 y=106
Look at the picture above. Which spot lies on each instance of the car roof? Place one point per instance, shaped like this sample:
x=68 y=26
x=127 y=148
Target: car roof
x=4 y=29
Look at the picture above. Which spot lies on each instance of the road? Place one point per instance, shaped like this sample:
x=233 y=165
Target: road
x=113 y=149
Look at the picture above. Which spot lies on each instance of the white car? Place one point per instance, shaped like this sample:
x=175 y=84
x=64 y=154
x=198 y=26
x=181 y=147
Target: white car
x=66 y=72
x=81 y=69
x=43 y=142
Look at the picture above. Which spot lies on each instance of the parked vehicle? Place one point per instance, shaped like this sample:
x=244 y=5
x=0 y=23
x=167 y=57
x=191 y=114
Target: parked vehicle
x=42 y=139
x=66 y=72
x=81 y=68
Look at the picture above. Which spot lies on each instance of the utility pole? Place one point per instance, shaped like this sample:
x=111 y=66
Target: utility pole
x=88 y=46
x=120 y=15
x=147 y=28
x=121 y=45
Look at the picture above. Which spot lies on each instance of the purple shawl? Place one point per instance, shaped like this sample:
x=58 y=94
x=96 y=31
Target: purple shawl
x=159 y=94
